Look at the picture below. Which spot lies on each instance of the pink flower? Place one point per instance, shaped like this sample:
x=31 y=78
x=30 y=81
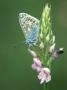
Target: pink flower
x=37 y=64
x=44 y=75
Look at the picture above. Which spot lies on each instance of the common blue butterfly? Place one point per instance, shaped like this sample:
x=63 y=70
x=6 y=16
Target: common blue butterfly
x=30 y=28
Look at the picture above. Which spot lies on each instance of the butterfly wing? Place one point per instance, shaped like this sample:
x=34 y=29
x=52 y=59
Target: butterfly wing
x=30 y=27
x=33 y=36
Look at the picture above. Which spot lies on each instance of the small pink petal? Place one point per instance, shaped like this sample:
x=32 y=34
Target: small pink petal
x=47 y=70
x=34 y=66
x=48 y=78
x=37 y=64
x=37 y=61
x=44 y=75
x=32 y=53
x=42 y=80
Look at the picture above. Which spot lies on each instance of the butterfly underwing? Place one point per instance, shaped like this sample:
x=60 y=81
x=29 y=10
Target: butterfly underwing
x=30 y=28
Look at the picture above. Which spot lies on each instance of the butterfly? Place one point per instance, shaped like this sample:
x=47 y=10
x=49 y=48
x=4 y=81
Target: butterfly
x=30 y=28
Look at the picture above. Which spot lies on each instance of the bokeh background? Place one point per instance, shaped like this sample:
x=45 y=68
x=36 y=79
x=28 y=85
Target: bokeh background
x=15 y=61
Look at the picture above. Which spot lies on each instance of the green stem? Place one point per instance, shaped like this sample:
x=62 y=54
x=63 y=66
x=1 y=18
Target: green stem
x=45 y=87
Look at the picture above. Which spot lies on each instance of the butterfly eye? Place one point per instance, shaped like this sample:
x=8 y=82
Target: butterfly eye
x=61 y=51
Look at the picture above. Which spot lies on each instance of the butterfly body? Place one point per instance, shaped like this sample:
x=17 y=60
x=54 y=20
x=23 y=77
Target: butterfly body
x=30 y=28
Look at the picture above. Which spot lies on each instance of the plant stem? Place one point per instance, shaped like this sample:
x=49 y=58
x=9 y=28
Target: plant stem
x=45 y=87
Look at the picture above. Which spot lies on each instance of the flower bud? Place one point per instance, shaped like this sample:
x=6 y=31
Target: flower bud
x=53 y=39
x=51 y=49
x=41 y=35
x=47 y=37
x=41 y=45
x=32 y=53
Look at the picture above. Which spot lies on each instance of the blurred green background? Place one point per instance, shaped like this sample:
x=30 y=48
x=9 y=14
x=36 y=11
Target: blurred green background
x=15 y=62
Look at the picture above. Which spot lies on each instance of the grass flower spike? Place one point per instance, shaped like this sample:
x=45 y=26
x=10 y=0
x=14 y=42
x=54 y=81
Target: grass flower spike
x=41 y=42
